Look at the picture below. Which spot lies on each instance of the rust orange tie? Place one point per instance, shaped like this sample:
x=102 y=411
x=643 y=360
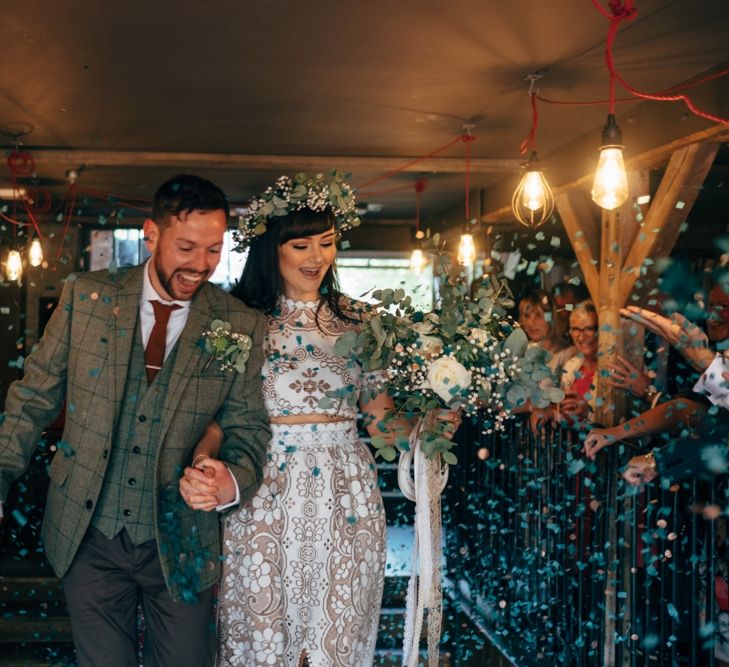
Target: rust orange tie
x=154 y=353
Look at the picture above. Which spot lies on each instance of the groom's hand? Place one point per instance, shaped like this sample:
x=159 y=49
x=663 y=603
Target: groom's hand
x=208 y=488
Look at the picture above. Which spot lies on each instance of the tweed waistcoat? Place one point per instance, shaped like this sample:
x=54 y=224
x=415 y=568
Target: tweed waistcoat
x=127 y=495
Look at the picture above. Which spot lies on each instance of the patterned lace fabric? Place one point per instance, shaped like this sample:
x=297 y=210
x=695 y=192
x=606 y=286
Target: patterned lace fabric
x=304 y=559
x=300 y=366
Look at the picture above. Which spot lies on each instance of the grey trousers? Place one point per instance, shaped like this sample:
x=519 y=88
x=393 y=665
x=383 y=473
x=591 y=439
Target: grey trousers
x=103 y=586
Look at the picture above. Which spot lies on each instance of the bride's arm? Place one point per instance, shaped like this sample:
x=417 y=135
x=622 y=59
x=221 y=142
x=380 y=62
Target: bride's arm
x=374 y=412
x=378 y=408
x=208 y=446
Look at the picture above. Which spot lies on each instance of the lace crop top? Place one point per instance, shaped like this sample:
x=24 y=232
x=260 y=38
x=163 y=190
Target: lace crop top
x=300 y=364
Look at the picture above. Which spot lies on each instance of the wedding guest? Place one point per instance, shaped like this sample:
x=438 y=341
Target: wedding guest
x=538 y=317
x=566 y=296
x=578 y=375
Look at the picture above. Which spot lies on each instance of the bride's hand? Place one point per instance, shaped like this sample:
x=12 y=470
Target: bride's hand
x=452 y=419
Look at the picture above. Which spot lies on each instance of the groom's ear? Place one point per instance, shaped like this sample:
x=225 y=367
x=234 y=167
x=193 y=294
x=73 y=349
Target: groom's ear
x=151 y=234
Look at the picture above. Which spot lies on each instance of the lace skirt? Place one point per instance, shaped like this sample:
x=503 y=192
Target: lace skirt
x=304 y=559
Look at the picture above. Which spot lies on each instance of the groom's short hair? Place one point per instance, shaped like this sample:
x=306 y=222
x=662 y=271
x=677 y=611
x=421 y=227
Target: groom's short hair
x=184 y=193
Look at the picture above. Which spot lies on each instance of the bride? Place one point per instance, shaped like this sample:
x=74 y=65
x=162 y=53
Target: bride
x=304 y=558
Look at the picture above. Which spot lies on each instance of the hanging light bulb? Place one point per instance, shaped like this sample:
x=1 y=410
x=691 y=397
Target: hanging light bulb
x=417 y=261
x=417 y=258
x=533 y=200
x=14 y=266
x=35 y=253
x=466 y=250
x=610 y=187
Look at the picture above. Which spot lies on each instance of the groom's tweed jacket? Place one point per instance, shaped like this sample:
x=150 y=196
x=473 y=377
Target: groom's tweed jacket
x=84 y=358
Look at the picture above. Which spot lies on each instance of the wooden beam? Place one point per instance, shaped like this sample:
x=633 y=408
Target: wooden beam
x=611 y=401
x=632 y=213
x=680 y=185
x=582 y=229
x=650 y=159
x=360 y=164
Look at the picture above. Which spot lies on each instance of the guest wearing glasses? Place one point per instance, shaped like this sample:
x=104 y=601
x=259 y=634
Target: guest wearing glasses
x=566 y=296
x=578 y=374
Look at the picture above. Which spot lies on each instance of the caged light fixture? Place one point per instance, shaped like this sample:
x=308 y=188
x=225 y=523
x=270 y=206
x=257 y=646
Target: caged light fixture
x=533 y=200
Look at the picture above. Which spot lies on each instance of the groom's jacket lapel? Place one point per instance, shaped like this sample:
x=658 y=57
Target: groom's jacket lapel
x=126 y=315
x=190 y=352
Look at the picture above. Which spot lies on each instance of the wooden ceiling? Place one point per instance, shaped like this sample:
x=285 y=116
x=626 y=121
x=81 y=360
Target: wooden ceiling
x=126 y=91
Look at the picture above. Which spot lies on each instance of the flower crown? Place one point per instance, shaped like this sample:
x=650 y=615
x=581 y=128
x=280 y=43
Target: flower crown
x=287 y=195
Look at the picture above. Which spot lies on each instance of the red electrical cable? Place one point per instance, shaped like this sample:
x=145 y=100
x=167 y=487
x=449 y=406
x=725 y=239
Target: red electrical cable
x=109 y=195
x=420 y=184
x=530 y=139
x=17 y=223
x=623 y=10
x=468 y=139
x=67 y=214
x=683 y=86
x=377 y=193
x=377 y=179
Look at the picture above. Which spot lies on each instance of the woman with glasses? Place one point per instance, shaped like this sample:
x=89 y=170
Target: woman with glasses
x=578 y=373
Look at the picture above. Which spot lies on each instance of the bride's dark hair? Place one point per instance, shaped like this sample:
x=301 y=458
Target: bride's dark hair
x=260 y=285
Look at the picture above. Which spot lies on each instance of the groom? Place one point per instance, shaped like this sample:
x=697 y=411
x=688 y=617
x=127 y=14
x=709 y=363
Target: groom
x=125 y=349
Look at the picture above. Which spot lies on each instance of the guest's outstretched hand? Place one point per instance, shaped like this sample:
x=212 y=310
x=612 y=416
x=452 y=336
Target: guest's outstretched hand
x=597 y=439
x=683 y=334
x=624 y=375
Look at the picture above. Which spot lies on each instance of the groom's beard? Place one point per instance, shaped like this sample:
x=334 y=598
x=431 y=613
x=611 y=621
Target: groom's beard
x=171 y=282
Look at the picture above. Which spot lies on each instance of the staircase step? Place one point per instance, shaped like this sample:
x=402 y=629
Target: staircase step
x=31 y=589
x=34 y=629
x=393 y=658
x=38 y=656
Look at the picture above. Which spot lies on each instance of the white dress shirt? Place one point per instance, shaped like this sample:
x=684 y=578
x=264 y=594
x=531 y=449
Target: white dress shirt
x=712 y=382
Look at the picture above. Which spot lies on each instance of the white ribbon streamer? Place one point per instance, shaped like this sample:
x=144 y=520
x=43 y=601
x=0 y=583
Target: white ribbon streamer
x=422 y=481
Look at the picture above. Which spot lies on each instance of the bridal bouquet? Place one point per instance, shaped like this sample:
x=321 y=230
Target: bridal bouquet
x=466 y=353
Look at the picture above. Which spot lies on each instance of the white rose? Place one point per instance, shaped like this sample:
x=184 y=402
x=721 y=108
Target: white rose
x=448 y=378
x=430 y=345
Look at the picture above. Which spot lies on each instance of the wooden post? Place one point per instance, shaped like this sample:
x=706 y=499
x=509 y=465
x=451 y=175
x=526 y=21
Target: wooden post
x=610 y=400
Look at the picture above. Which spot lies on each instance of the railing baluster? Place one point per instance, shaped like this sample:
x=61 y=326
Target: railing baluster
x=553 y=539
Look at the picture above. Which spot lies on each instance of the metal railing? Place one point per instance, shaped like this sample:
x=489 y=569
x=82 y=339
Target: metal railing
x=561 y=563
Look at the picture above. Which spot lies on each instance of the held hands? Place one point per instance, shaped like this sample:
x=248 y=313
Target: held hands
x=626 y=376
x=207 y=485
x=597 y=439
x=682 y=334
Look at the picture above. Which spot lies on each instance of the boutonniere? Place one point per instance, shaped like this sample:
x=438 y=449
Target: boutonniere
x=230 y=349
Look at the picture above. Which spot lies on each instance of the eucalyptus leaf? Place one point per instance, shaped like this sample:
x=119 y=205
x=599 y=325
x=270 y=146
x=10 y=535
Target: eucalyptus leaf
x=388 y=453
x=516 y=343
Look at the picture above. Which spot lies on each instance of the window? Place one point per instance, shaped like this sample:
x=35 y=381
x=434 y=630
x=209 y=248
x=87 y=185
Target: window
x=125 y=247
x=359 y=274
